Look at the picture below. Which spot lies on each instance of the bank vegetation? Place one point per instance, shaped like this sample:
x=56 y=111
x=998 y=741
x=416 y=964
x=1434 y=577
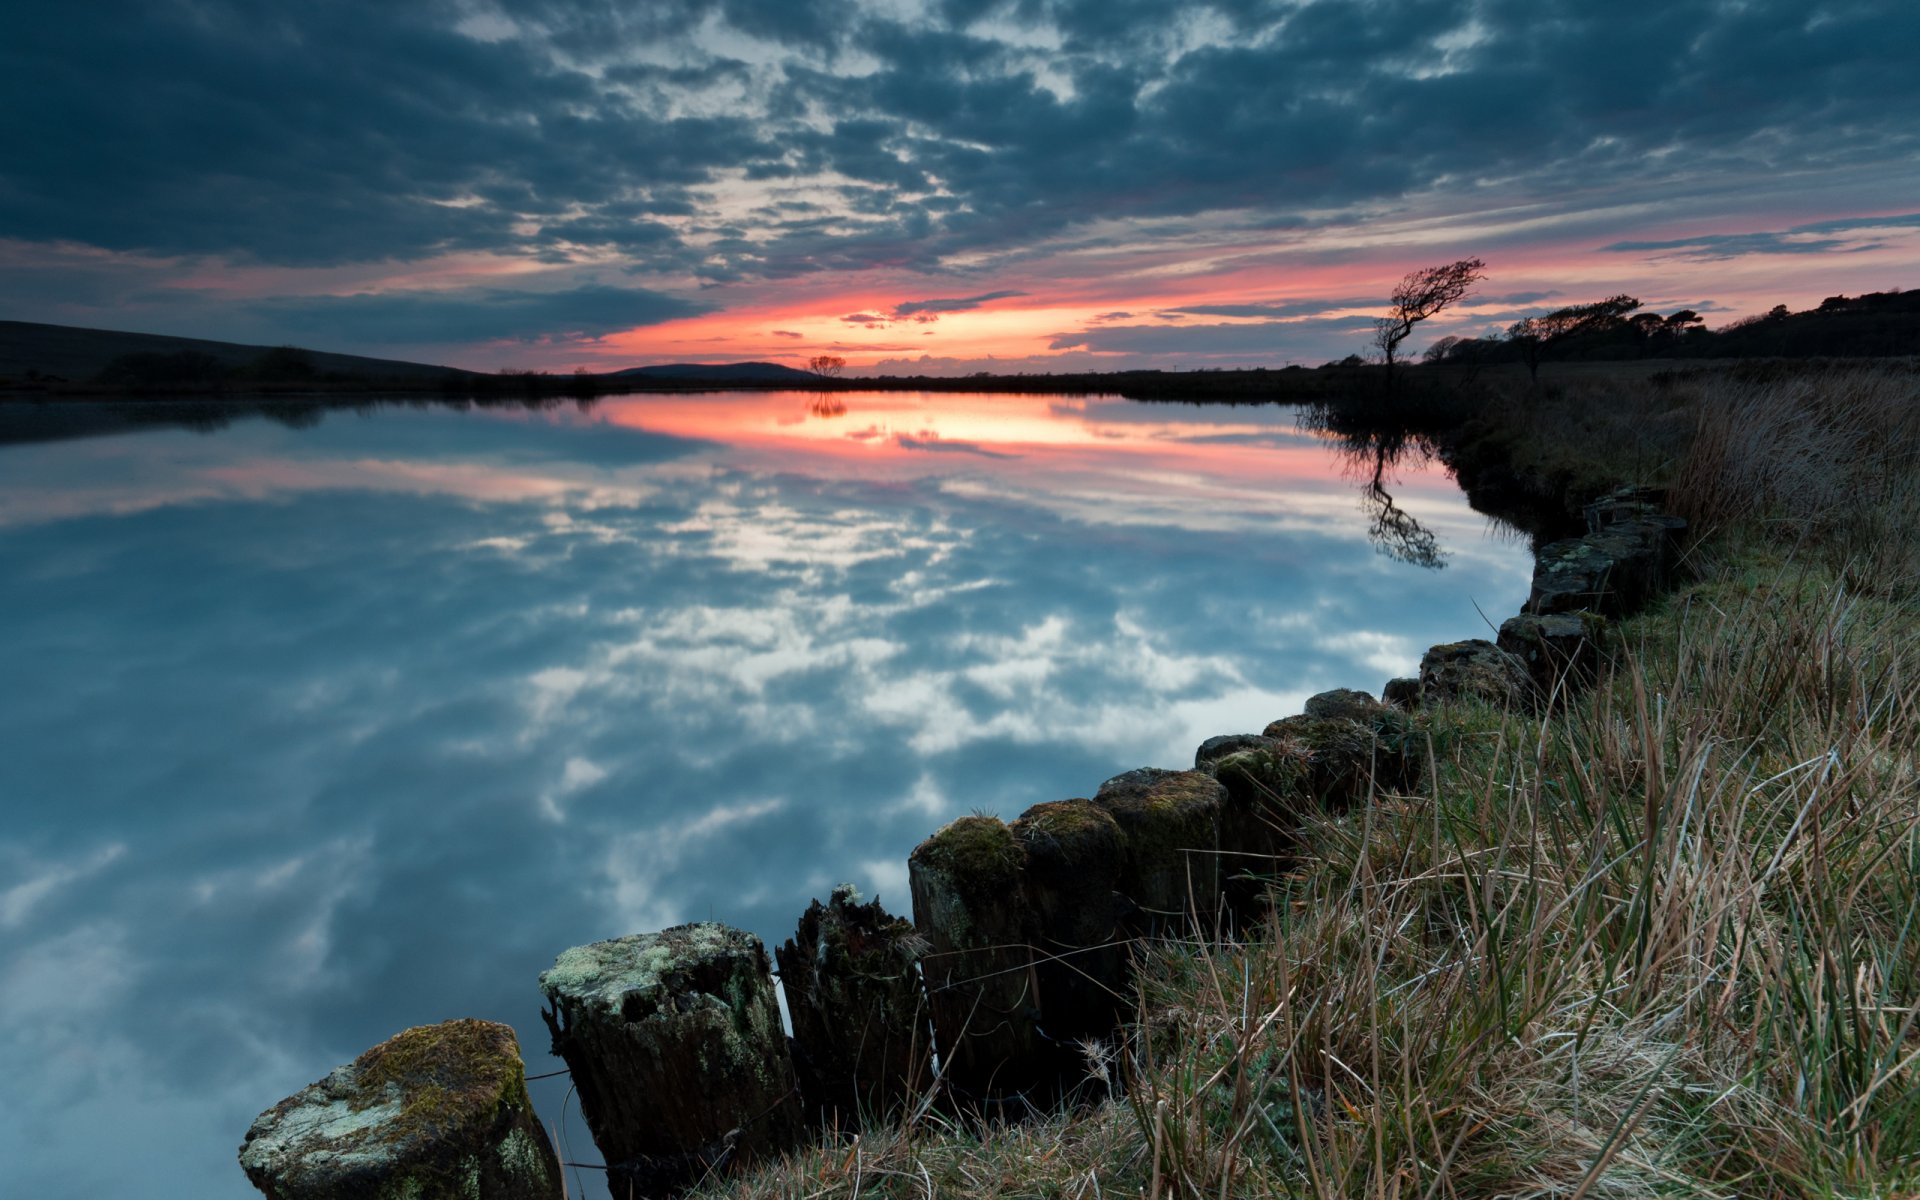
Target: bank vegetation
x=1665 y=941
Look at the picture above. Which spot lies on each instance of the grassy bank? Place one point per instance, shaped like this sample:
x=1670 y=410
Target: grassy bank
x=1665 y=942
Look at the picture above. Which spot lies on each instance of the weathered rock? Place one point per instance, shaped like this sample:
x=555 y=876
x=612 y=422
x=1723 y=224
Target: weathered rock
x=969 y=902
x=862 y=1037
x=1214 y=749
x=1474 y=669
x=1074 y=850
x=1554 y=647
x=1347 y=757
x=1342 y=702
x=435 y=1113
x=1402 y=693
x=1171 y=820
x=677 y=1053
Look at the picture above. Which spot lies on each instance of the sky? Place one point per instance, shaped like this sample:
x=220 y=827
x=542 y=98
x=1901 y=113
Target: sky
x=937 y=186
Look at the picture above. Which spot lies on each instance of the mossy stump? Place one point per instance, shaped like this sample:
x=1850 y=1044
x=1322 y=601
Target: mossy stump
x=676 y=1050
x=1073 y=856
x=1268 y=787
x=1474 y=669
x=1350 y=757
x=1171 y=867
x=1214 y=749
x=862 y=1041
x=969 y=903
x=435 y=1113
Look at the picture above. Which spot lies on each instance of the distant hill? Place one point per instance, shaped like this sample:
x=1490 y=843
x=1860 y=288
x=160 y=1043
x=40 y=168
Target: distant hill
x=759 y=372
x=77 y=354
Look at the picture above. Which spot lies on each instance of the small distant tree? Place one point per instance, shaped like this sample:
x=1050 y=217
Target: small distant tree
x=827 y=366
x=1422 y=294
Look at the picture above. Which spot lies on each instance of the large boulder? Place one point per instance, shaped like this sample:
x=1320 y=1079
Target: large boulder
x=435 y=1113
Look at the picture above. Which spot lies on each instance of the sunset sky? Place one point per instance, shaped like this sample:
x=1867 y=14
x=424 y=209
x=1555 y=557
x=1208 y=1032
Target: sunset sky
x=937 y=186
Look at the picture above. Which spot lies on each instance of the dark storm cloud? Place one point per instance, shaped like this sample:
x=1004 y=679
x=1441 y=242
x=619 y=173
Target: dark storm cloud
x=963 y=304
x=1273 y=309
x=415 y=318
x=1801 y=239
x=359 y=132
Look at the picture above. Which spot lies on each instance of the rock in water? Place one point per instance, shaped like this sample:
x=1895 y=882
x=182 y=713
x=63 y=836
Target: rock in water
x=677 y=1052
x=969 y=903
x=862 y=1043
x=435 y=1113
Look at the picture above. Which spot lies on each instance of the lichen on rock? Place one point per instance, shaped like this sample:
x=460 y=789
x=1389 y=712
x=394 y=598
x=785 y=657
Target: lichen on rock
x=429 y=1114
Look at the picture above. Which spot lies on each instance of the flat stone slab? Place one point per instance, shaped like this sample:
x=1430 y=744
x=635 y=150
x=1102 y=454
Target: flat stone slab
x=435 y=1113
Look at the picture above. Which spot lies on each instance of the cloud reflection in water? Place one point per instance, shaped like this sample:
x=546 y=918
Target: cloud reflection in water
x=313 y=735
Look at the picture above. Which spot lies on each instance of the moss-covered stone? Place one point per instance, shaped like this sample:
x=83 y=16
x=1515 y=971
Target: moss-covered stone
x=1214 y=749
x=1474 y=669
x=1171 y=820
x=1342 y=702
x=1346 y=758
x=1268 y=788
x=435 y=1113
x=970 y=904
x=1074 y=851
x=677 y=1052
x=1403 y=694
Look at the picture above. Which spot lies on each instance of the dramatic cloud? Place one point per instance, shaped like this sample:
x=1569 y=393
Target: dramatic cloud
x=733 y=151
x=412 y=318
x=1818 y=237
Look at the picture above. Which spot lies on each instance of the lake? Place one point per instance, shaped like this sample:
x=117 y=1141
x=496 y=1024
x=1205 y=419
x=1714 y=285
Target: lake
x=322 y=727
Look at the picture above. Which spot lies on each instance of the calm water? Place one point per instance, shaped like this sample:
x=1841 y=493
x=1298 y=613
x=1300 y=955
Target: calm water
x=311 y=734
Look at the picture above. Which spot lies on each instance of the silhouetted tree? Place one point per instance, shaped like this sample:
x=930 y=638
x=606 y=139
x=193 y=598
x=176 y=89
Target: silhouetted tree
x=1422 y=294
x=827 y=366
x=1532 y=336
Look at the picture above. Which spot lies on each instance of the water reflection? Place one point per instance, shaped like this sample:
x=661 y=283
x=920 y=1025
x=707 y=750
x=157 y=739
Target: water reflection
x=312 y=734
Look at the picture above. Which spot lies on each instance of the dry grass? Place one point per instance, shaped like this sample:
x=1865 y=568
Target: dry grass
x=1664 y=943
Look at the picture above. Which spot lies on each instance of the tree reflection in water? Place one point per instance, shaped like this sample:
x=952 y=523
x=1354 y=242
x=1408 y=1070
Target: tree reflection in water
x=1372 y=453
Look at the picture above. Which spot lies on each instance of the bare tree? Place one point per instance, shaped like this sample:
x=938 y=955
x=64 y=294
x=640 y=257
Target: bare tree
x=827 y=366
x=1419 y=296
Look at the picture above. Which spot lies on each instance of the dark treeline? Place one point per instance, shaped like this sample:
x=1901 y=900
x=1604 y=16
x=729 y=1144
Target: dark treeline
x=1874 y=325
